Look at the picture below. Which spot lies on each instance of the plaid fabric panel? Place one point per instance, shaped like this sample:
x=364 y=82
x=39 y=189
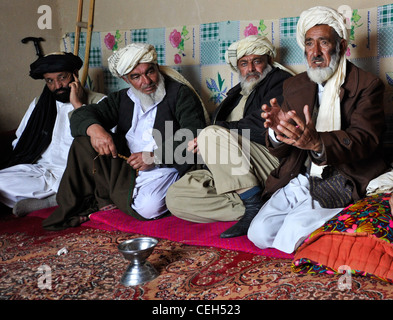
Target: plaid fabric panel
x=289 y=49
x=209 y=43
x=215 y=38
x=95 y=56
x=155 y=37
x=385 y=31
x=223 y=48
x=111 y=83
x=160 y=54
x=139 y=35
x=385 y=15
x=288 y=27
x=209 y=31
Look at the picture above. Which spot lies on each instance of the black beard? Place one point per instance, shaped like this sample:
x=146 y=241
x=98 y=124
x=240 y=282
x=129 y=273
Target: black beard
x=62 y=96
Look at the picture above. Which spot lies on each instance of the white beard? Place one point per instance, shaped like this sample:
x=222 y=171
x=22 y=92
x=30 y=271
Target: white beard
x=149 y=100
x=249 y=85
x=321 y=75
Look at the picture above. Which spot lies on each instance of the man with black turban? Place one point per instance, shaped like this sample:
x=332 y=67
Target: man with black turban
x=31 y=175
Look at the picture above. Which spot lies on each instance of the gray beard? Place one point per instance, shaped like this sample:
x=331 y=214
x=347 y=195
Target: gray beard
x=249 y=85
x=149 y=100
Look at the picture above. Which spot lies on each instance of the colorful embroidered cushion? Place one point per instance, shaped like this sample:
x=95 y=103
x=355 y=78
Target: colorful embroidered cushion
x=360 y=237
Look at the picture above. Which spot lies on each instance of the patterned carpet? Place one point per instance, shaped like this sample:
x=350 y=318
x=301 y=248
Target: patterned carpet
x=31 y=268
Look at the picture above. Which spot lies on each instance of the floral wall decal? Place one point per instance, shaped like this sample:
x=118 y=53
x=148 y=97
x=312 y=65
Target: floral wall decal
x=217 y=90
x=112 y=41
x=355 y=19
x=177 y=40
x=254 y=30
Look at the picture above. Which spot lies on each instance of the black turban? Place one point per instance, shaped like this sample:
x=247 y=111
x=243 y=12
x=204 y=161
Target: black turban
x=37 y=135
x=55 y=62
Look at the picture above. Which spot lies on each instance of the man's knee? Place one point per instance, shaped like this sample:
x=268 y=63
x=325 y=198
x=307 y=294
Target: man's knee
x=170 y=199
x=211 y=133
x=260 y=234
x=149 y=207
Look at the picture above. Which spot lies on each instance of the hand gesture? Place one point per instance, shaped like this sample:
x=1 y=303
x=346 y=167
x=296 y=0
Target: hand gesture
x=77 y=95
x=273 y=115
x=295 y=132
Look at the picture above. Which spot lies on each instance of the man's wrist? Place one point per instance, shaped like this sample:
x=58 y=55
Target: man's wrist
x=157 y=160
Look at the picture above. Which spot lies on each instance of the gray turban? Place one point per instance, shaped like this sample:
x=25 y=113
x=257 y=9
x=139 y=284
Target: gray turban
x=126 y=59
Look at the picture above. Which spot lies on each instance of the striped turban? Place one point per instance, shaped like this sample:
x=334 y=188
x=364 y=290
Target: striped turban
x=254 y=44
x=126 y=59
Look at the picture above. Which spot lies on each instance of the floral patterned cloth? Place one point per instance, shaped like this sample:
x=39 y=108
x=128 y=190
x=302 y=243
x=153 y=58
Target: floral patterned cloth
x=370 y=216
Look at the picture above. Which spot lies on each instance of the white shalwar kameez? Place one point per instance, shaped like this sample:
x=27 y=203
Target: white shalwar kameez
x=41 y=179
x=150 y=186
x=288 y=217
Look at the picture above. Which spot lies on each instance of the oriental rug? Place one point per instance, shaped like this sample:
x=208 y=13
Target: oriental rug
x=84 y=264
x=173 y=228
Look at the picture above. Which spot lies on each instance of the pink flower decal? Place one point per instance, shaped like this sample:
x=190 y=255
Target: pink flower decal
x=177 y=58
x=250 y=30
x=175 y=38
x=110 y=41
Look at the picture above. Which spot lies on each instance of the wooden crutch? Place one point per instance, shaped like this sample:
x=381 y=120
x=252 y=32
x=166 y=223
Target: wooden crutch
x=89 y=26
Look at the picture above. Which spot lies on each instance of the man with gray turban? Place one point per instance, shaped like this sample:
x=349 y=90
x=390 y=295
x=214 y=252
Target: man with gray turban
x=232 y=149
x=31 y=176
x=326 y=134
x=132 y=168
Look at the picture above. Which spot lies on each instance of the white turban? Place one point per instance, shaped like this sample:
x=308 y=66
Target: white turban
x=329 y=115
x=126 y=59
x=254 y=44
x=320 y=15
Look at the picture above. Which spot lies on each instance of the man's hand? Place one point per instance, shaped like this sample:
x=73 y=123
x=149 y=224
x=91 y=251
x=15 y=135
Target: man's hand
x=77 y=95
x=193 y=146
x=299 y=134
x=141 y=161
x=101 y=140
x=290 y=128
x=273 y=115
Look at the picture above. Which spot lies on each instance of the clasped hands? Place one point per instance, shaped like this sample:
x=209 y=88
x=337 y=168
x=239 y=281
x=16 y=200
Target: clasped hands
x=289 y=128
x=103 y=143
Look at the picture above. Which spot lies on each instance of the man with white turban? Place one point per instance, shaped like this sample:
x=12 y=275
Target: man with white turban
x=232 y=149
x=326 y=134
x=131 y=169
